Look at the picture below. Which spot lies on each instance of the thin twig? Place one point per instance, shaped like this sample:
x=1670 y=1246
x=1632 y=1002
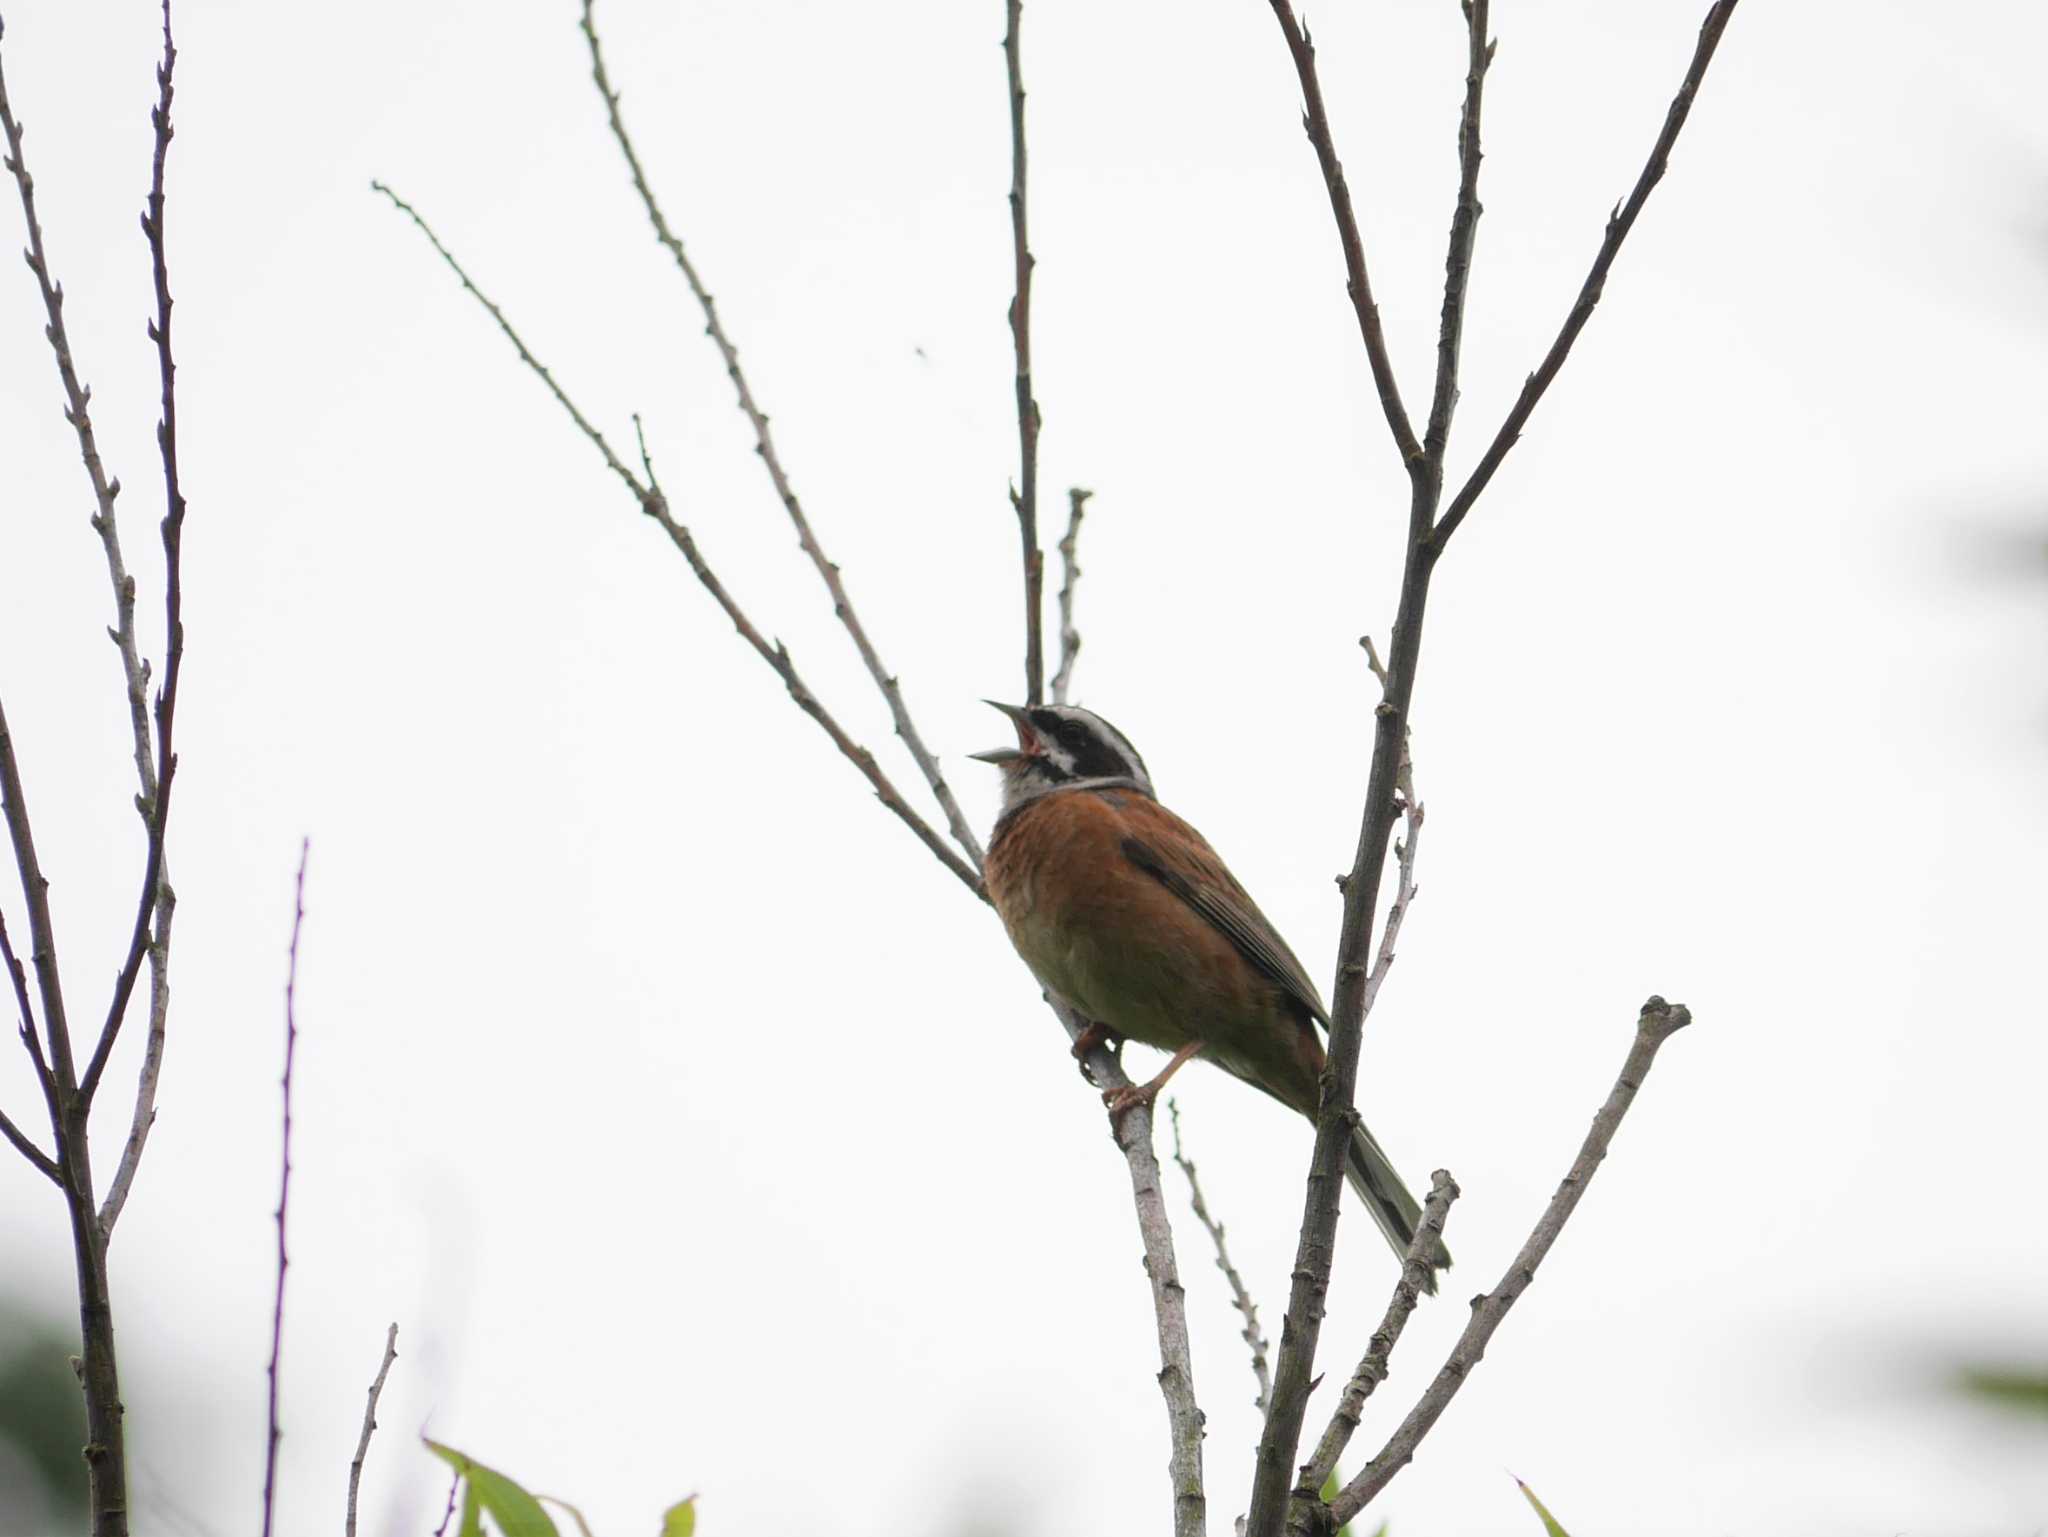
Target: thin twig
x=35 y=889
x=1464 y=226
x=1070 y=569
x=1372 y=1368
x=1240 y=1295
x=156 y=900
x=1316 y=121
x=41 y=1161
x=454 y=1488
x=19 y=981
x=1024 y=495
x=764 y=445
x=284 y=1181
x=355 y=1467
x=1656 y=1024
x=1132 y=1133
x=1619 y=223
x=1404 y=893
x=144 y=1115
x=46 y=1081
x=655 y=505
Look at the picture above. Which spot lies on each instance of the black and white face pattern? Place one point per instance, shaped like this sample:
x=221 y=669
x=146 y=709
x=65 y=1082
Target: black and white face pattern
x=1063 y=744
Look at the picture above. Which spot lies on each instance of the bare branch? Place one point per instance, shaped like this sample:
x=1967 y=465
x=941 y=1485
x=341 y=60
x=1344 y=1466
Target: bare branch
x=454 y=1487
x=156 y=899
x=1317 y=123
x=284 y=1184
x=597 y=439
x=652 y=502
x=1656 y=1024
x=144 y=1116
x=1404 y=893
x=1240 y=1295
x=41 y=1161
x=77 y=411
x=1464 y=226
x=1618 y=225
x=655 y=504
x=1024 y=496
x=355 y=1467
x=1132 y=1133
x=1372 y=1368
x=36 y=891
x=1070 y=567
x=34 y=888
x=19 y=981
x=764 y=445
x=1315 y=1252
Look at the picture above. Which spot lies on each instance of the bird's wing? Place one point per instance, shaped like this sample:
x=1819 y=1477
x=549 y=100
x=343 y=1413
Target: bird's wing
x=1186 y=866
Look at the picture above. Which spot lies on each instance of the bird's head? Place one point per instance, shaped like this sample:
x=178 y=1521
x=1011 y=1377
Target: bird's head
x=1060 y=745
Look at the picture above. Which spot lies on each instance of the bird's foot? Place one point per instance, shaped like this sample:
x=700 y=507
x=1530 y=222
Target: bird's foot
x=1096 y=1034
x=1126 y=1099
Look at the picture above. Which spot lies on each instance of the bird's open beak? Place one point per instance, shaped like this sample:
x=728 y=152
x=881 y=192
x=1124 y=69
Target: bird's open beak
x=1026 y=737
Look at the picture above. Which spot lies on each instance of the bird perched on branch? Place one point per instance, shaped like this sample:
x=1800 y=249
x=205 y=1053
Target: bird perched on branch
x=1124 y=911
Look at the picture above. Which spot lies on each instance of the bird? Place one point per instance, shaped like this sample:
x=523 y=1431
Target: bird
x=1125 y=912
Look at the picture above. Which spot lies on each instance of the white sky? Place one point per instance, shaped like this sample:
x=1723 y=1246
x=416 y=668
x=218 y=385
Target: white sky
x=697 y=1130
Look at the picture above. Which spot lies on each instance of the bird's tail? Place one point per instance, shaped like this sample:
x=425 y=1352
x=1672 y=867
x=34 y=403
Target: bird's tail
x=1392 y=1207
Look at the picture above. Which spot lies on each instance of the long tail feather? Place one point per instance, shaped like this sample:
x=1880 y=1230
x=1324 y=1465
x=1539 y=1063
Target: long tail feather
x=1394 y=1210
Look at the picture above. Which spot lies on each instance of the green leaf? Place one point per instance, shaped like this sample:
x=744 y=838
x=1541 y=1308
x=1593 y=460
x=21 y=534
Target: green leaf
x=1330 y=1491
x=1550 y=1526
x=680 y=1519
x=513 y=1511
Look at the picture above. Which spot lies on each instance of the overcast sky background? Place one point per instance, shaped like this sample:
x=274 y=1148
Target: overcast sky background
x=697 y=1129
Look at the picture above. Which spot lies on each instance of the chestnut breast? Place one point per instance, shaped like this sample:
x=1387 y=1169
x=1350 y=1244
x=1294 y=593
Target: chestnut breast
x=1111 y=939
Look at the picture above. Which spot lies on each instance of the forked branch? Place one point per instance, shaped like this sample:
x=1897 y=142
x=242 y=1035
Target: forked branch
x=1372 y=1367
x=1655 y=1025
x=764 y=446
x=1293 y=1369
x=1618 y=225
x=651 y=501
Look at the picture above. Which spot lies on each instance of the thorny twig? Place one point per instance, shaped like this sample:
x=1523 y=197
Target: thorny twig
x=1240 y=1294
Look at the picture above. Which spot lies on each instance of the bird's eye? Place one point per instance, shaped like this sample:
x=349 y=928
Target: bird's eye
x=1073 y=733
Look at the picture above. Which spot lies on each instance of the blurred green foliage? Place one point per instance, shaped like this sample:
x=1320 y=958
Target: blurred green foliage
x=42 y=1426
x=2020 y=1390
